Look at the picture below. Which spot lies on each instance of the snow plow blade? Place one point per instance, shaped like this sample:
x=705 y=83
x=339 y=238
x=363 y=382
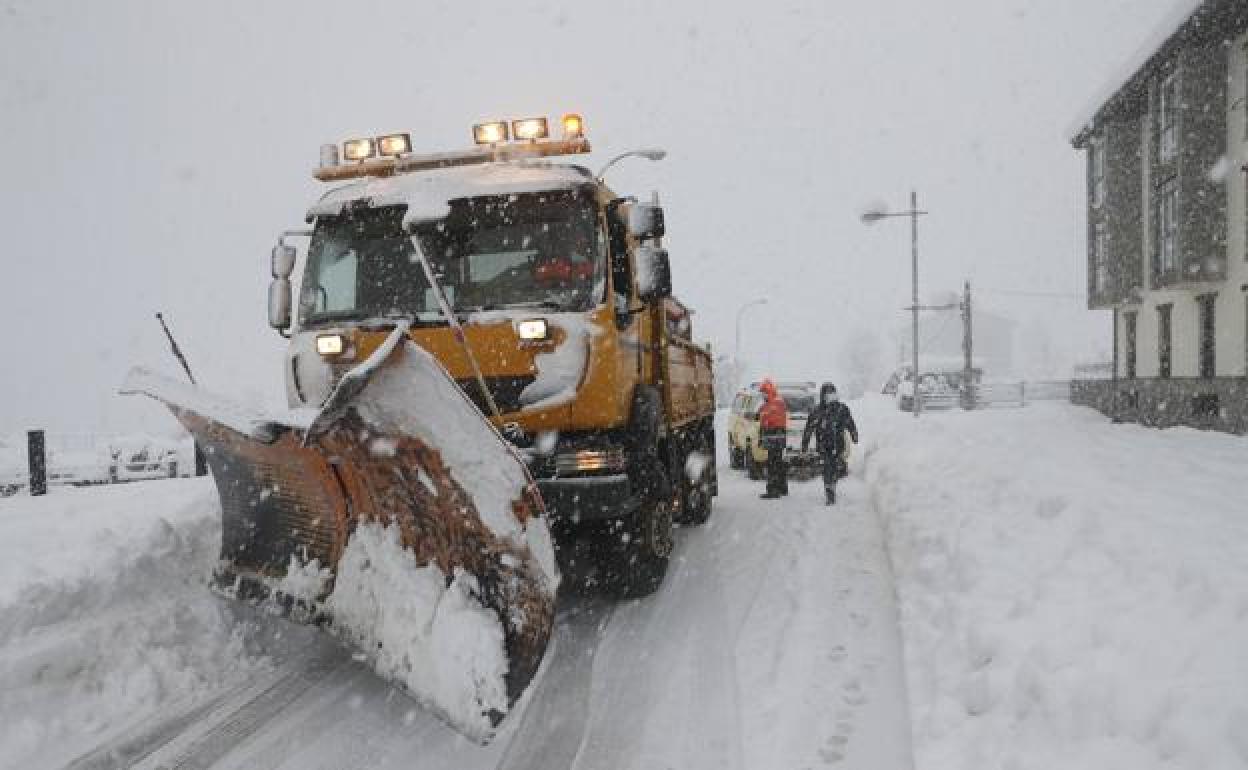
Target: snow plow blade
x=397 y=516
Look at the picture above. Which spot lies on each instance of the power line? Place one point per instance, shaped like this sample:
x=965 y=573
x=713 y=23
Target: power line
x=1015 y=292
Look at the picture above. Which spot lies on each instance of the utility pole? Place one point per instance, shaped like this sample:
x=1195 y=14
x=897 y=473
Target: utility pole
x=968 y=353
x=874 y=215
x=914 y=294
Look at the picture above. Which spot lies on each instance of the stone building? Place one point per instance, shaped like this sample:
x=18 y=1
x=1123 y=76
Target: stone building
x=1167 y=241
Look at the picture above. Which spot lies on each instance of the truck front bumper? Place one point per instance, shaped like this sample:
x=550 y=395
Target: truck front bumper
x=578 y=499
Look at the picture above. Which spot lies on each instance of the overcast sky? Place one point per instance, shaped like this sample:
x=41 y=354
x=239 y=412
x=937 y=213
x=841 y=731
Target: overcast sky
x=156 y=149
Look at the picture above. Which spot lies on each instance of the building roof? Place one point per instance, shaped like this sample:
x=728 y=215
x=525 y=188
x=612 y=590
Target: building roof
x=1190 y=21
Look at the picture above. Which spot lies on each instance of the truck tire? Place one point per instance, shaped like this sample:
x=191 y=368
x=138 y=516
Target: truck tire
x=638 y=553
x=634 y=552
x=696 y=494
x=752 y=469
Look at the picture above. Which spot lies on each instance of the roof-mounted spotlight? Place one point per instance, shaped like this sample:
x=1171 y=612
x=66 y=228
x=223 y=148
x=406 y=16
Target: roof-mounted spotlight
x=530 y=129
x=490 y=133
x=394 y=145
x=573 y=126
x=359 y=149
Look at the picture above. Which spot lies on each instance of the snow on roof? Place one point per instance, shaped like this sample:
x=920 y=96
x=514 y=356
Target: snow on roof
x=1139 y=59
x=427 y=194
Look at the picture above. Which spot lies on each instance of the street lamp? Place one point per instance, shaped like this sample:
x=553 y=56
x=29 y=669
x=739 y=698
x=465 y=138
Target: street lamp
x=875 y=214
x=651 y=153
x=736 y=351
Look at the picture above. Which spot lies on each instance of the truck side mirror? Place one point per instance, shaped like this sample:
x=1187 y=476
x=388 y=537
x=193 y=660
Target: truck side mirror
x=283 y=260
x=654 y=273
x=279 y=303
x=645 y=221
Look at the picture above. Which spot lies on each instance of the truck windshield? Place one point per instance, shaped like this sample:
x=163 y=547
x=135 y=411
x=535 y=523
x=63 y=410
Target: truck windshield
x=498 y=252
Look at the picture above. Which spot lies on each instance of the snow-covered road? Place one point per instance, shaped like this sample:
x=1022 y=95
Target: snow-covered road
x=1072 y=593
x=773 y=643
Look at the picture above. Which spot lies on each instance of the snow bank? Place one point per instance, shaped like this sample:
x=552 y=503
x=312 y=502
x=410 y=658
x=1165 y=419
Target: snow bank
x=105 y=614
x=420 y=629
x=1073 y=593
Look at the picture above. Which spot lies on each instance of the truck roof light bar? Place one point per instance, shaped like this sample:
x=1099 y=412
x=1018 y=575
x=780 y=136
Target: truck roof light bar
x=382 y=167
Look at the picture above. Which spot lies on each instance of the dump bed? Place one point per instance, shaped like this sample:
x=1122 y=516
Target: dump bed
x=689 y=389
x=690 y=393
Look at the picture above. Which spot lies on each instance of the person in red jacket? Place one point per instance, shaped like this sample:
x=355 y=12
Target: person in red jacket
x=773 y=423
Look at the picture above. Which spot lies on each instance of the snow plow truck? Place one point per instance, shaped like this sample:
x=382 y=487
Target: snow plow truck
x=481 y=376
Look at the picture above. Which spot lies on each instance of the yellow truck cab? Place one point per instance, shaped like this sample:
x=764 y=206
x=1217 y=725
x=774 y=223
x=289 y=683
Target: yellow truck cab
x=562 y=290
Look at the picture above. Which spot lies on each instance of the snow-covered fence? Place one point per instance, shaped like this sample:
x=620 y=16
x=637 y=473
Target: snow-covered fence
x=940 y=399
x=1000 y=394
x=1047 y=390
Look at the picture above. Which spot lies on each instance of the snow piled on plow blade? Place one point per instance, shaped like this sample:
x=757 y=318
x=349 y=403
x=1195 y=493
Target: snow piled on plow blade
x=398 y=516
x=420 y=630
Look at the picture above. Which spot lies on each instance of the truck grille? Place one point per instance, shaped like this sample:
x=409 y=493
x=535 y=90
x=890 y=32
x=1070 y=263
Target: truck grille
x=505 y=390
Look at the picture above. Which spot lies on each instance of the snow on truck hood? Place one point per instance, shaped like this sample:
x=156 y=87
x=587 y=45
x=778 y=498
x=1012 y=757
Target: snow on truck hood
x=428 y=194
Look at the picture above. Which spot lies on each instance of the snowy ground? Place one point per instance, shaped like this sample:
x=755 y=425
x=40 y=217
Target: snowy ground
x=773 y=643
x=1072 y=593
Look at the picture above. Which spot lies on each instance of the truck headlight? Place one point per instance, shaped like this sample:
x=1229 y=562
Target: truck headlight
x=330 y=344
x=533 y=329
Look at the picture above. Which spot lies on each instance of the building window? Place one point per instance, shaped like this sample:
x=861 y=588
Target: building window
x=1100 y=260
x=1208 y=335
x=1096 y=151
x=1168 y=227
x=1130 y=319
x=1163 y=341
x=1168 y=116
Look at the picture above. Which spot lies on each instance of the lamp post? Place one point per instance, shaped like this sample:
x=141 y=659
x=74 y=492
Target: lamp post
x=874 y=215
x=736 y=350
x=652 y=153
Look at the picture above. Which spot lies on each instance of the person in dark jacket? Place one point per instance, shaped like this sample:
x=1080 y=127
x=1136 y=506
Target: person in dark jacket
x=773 y=421
x=829 y=422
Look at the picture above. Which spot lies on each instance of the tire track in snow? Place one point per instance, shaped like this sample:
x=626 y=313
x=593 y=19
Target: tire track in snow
x=553 y=726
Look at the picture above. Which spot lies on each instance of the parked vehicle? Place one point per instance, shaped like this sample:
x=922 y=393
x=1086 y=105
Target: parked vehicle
x=744 y=449
x=940 y=384
x=147 y=462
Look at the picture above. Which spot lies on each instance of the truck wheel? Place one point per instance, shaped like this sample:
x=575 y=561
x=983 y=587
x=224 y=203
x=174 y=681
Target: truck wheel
x=638 y=552
x=752 y=469
x=696 y=498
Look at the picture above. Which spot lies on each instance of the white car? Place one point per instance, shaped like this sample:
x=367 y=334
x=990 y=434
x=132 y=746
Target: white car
x=744 y=448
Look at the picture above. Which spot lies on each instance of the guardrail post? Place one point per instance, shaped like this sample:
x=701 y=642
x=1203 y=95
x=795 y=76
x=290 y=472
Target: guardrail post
x=35 y=450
